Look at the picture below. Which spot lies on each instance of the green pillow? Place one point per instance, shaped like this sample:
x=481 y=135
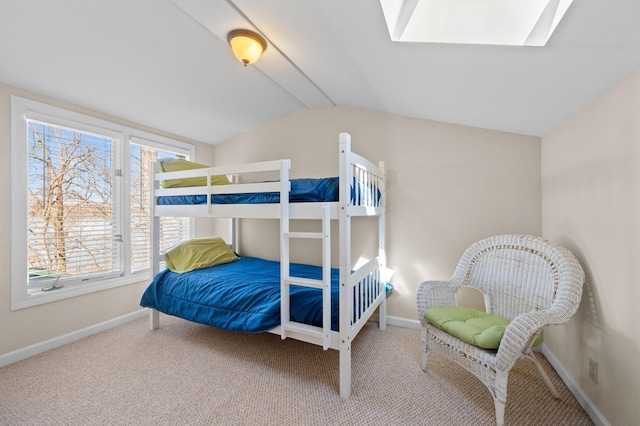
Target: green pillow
x=470 y=325
x=197 y=254
x=178 y=164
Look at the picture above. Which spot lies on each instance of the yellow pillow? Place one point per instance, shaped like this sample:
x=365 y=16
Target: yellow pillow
x=197 y=254
x=178 y=164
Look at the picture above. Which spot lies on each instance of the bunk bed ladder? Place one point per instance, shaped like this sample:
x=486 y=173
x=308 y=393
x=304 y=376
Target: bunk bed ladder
x=324 y=333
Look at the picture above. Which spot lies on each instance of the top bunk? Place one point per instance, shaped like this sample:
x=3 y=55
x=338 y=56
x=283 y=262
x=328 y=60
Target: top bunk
x=265 y=190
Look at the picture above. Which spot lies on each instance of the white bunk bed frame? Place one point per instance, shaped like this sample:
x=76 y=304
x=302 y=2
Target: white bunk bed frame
x=362 y=291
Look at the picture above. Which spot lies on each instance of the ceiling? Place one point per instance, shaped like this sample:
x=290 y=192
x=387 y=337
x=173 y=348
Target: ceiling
x=167 y=64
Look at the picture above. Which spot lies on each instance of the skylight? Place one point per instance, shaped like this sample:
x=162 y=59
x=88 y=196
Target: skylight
x=501 y=22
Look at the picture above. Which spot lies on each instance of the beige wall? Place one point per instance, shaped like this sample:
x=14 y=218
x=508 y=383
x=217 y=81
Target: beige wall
x=448 y=185
x=25 y=327
x=591 y=204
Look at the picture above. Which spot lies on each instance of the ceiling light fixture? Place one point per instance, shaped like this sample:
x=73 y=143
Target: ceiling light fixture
x=247 y=46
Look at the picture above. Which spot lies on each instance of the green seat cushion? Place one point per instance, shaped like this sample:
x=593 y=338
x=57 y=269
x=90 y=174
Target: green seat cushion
x=470 y=325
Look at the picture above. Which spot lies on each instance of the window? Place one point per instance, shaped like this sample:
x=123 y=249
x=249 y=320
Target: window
x=172 y=229
x=498 y=22
x=81 y=209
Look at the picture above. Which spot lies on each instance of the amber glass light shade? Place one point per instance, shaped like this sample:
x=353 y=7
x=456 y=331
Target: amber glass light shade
x=247 y=46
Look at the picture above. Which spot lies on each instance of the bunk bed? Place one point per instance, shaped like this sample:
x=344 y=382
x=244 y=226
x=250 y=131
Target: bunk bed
x=343 y=299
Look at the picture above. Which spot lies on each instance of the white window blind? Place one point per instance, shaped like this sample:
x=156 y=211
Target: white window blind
x=172 y=230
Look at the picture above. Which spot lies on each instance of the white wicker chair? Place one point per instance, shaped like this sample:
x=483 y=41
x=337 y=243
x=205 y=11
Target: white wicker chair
x=531 y=281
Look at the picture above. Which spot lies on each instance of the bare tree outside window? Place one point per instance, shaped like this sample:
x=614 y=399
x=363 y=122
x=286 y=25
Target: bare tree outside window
x=70 y=203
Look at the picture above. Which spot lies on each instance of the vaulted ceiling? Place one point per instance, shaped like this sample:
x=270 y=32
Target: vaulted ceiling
x=167 y=64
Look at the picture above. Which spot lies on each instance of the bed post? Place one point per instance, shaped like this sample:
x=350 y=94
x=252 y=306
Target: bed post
x=233 y=224
x=346 y=296
x=154 y=316
x=285 y=259
x=154 y=319
x=382 y=255
x=233 y=234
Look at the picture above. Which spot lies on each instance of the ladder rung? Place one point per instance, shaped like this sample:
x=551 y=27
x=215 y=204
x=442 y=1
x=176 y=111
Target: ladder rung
x=304 y=234
x=306 y=282
x=304 y=328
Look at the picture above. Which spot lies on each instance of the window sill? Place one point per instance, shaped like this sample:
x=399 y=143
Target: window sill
x=25 y=300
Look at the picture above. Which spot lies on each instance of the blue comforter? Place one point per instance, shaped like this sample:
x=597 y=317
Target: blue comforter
x=305 y=190
x=302 y=190
x=243 y=295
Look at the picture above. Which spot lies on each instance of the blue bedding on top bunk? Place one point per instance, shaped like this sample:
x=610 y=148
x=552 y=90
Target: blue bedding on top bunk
x=302 y=190
x=243 y=295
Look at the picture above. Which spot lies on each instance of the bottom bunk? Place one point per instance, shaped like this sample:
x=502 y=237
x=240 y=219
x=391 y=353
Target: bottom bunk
x=244 y=295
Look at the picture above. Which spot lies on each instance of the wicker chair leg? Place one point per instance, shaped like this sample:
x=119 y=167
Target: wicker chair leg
x=499 y=411
x=424 y=360
x=530 y=356
x=499 y=392
x=425 y=350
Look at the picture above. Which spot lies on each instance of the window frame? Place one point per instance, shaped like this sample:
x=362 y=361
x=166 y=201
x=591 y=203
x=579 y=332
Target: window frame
x=23 y=109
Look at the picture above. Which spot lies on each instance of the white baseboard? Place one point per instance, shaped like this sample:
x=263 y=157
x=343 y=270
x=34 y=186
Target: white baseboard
x=403 y=322
x=582 y=398
x=29 y=351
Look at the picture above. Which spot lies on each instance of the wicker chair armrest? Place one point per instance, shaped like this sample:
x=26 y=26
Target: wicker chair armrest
x=521 y=333
x=435 y=294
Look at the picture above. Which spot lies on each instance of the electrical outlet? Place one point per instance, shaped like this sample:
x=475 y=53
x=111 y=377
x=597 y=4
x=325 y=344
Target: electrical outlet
x=593 y=370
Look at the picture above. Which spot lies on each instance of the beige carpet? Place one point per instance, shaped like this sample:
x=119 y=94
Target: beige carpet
x=189 y=374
